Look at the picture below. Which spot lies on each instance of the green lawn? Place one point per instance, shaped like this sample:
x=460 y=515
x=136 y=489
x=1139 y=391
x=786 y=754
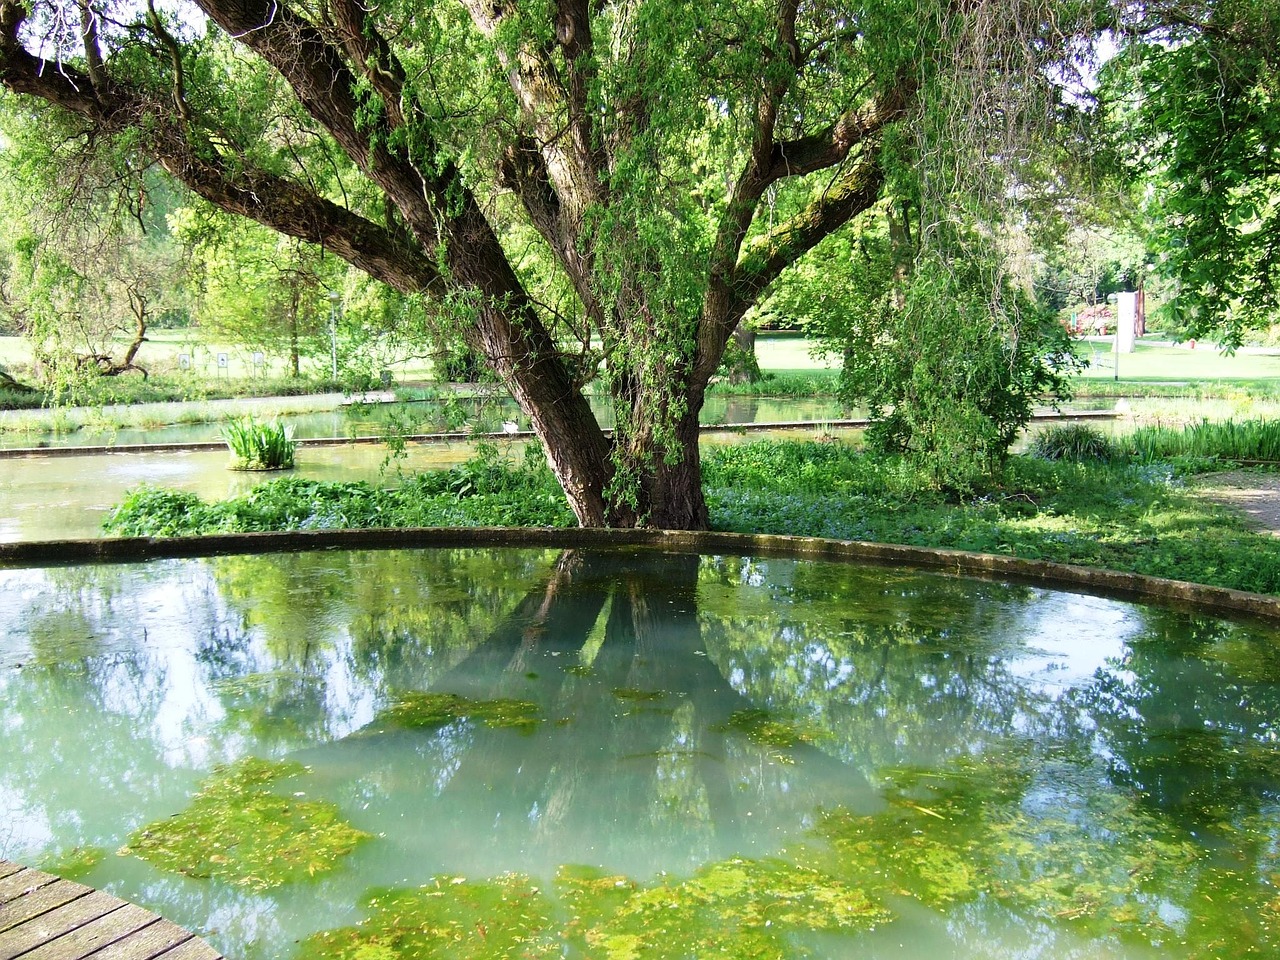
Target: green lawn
x=1150 y=362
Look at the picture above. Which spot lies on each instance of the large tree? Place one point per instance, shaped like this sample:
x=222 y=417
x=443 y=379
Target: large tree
x=575 y=183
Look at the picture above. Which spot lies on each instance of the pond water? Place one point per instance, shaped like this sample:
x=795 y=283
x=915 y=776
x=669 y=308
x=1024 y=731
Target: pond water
x=486 y=415
x=537 y=753
x=54 y=498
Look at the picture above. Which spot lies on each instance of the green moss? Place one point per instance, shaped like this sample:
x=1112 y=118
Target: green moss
x=508 y=917
x=238 y=831
x=431 y=710
x=766 y=729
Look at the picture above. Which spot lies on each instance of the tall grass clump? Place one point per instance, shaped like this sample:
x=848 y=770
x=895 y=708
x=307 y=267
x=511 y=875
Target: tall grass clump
x=256 y=445
x=1248 y=440
x=1072 y=442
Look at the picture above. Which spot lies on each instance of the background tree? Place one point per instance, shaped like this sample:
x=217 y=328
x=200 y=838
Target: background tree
x=89 y=264
x=257 y=288
x=1194 y=92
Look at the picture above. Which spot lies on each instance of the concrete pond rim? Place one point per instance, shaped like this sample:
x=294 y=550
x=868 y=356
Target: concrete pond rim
x=1091 y=580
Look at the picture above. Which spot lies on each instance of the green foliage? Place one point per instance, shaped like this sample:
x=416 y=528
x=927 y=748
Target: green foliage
x=1123 y=515
x=952 y=374
x=238 y=831
x=1249 y=440
x=1077 y=442
x=1205 y=133
x=478 y=493
x=1120 y=515
x=256 y=445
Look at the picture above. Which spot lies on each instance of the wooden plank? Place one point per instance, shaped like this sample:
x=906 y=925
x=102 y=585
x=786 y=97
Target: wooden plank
x=22 y=882
x=40 y=901
x=146 y=944
x=95 y=935
x=193 y=949
x=27 y=936
x=7 y=867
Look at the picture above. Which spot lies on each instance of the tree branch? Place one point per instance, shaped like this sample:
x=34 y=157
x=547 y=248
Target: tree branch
x=270 y=199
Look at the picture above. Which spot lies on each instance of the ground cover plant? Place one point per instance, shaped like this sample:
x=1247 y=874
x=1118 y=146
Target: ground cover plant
x=1113 y=512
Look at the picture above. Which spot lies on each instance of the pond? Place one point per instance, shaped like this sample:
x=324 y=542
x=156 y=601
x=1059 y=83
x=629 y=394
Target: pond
x=151 y=423
x=596 y=754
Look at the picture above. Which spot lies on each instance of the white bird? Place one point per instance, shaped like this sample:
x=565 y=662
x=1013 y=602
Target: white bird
x=510 y=426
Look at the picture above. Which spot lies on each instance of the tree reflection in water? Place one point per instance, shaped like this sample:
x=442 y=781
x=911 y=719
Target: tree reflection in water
x=1037 y=774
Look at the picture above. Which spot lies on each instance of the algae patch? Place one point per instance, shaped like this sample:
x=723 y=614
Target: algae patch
x=238 y=831
x=73 y=864
x=737 y=908
x=505 y=918
x=766 y=729
x=427 y=711
x=732 y=908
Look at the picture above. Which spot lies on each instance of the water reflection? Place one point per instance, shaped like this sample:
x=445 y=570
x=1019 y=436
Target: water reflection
x=1010 y=771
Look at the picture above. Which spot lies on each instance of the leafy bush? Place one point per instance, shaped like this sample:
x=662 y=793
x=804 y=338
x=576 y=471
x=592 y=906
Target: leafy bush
x=1076 y=442
x=256 y=445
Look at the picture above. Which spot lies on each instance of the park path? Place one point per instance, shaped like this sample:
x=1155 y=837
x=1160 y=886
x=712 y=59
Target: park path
x=1257 y=495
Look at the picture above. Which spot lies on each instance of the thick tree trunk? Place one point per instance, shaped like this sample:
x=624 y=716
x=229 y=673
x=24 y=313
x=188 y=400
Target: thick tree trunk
x=674 y=493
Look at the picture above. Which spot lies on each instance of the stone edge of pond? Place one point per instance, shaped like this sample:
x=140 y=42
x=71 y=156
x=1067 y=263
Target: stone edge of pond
x=960 y=562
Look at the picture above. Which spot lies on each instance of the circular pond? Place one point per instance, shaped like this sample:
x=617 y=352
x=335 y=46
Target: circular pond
x=629 y=753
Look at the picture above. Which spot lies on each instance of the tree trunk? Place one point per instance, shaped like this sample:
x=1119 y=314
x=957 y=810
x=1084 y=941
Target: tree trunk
x=674 y=493
x=745 y=366
x=295 y=357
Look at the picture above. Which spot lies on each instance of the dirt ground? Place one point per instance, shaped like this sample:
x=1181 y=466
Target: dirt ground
x=1255 y=494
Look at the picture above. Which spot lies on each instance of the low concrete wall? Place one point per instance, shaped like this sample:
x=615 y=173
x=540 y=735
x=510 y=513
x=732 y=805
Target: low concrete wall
x=1088 y=579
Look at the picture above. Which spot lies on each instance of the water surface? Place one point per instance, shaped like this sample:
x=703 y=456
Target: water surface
x=783 y=758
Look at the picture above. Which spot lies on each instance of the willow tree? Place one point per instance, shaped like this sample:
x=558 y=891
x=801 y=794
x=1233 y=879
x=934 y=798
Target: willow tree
x=577 y=185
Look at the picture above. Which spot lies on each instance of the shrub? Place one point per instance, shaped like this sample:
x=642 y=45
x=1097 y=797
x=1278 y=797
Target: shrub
x=256 y=445
x=1074 y=442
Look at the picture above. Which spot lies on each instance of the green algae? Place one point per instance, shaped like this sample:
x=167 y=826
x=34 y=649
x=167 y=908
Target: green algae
x=731 y=908
x=766 y=729
x=73 y=864
x=734 y=908
x=428 y=711
x=237 y=831
x=506 y=918
x=1088 y=857
x=630 y=695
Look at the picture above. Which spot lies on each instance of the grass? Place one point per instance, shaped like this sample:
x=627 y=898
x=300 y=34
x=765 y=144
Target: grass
x=1119 y=515
x=1159 y=362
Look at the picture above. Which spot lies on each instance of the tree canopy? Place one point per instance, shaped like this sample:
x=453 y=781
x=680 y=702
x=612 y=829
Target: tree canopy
x=1195 y=95
x=587 y=191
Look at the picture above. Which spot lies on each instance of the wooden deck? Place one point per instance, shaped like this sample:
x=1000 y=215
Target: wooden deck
x=45 y=918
